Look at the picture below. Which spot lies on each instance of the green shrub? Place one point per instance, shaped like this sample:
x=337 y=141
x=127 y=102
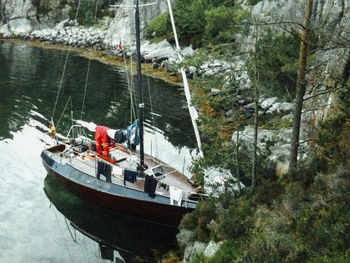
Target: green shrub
x=87 y=10
x=277 y=62
x=332 y=138
x=219 y=26
x=253 y=2
x=198 y=22
x=160 y=28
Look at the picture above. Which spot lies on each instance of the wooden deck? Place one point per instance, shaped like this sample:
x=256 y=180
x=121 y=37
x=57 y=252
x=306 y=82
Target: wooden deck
x=87 y=163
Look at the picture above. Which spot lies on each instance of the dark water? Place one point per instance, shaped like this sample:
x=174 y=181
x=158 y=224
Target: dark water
x=40 y=221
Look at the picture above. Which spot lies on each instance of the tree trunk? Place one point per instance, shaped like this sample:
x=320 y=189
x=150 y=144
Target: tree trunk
x=238 y=178
x=300 y=88
x=256 y=105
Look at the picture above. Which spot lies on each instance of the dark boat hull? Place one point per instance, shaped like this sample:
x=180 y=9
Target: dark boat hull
x=116 y=197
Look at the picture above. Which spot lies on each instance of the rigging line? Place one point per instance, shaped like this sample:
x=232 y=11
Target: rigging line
x=88 y=69
x=83 y=248
x=65 y=107
x=76 y=14
x=132 y=89
x=64 y=239
x=152 y=116
x=64 y=69
x=85 y=88
x=75 y=239
x=71 y=111
x=61 y=82
x=130 y=85
x=132 y=110
x=142 y=5
x=71 y=234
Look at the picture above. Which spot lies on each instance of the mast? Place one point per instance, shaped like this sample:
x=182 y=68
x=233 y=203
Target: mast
x=139 y=81
x=191 y=108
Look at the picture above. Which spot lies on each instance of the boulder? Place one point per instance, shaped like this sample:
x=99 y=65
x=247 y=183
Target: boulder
x=191 y=250
x=4 y=31
x=61 y=25
x=276 y=142
x=158 y=52
x=211 y=248
x=215 y=178
x=281 y=107
x=229 y=113
x=185 y=236
x=20 y=27
x=122 y=27
x=267 y=103
x=188 y=51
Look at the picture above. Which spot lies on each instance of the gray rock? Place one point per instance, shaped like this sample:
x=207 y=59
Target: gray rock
x=185 y=236
x=215 y=178
x=155 y=65
x=20 y=27
x=122 y=26
x=229 y=113
x=188 y=51
x=289 y=117
x=192 y=69
x=267 y=103
x=4 y=31
x=281 y=107
x=215 y=91
x=195 y=249
x=204 y=67
x=158 y=52
x=277 y=142
x=212 y=248
x=209 y=73
x=61 y=25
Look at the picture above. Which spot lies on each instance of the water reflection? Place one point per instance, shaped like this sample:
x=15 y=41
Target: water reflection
x=30 y=78
x=119 y=238
x=29 y=81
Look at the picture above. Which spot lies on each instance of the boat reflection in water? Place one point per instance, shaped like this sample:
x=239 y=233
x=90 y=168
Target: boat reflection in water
x=120 y=238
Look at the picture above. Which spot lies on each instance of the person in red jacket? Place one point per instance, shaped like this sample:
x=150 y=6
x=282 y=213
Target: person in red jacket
x=103 y=141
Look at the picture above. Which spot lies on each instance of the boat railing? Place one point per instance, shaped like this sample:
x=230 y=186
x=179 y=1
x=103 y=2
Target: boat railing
x=79 y=129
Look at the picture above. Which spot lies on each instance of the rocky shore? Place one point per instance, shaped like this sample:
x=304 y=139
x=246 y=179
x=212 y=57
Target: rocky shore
x=162 y=56
x=115 y=40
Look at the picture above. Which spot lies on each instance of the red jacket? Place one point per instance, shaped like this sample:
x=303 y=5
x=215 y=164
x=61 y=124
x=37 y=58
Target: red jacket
x=102 y=140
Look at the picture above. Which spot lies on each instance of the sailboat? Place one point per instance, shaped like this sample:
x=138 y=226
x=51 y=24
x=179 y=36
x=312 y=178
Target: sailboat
x=136 y=184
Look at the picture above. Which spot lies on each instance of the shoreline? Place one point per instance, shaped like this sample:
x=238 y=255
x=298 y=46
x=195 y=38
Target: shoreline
x=101 y=56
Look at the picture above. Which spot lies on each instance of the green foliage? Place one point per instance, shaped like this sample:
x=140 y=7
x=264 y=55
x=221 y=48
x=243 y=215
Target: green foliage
x=160 y=28
x=87 y=10
x=43 y=6
x=304 y=223
x=276 y=123
x=227 y=254
x=219 y=25
x=294 y=222
x=333 y=136
x=199 y=22
x=253 y=2
x=277 y=60
x=201 y=218
x=236 y=220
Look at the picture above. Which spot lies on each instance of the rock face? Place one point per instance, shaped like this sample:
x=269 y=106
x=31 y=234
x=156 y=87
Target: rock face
x=331 y=24
x=21 y=17
x=122 y=28
x=48 y=21
x=195 y=249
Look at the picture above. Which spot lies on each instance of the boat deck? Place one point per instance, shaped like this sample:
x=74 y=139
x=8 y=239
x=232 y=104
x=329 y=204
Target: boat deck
x=86 y=162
